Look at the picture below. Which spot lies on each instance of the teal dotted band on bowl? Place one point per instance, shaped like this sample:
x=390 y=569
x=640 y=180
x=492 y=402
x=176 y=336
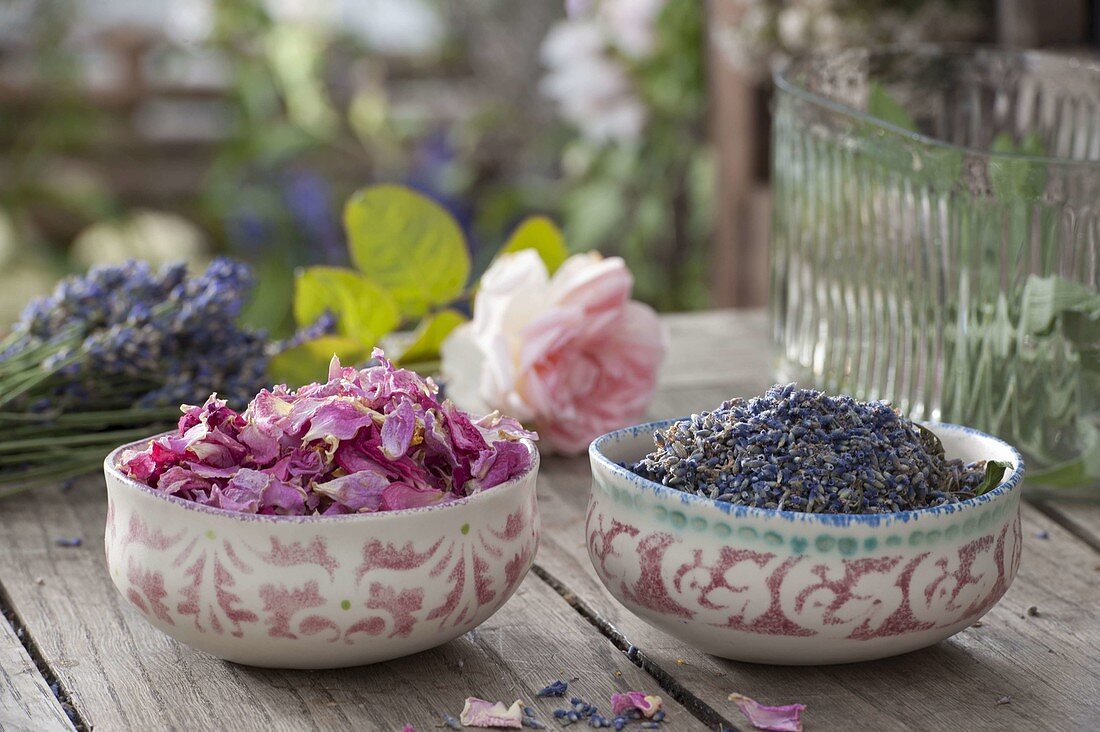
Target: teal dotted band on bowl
x=685 y=521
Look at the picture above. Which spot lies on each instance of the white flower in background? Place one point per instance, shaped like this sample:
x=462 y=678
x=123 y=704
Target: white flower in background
x=586 y=73
x=157 y=237
x=793 y=24
x=593 y=90
x=631 y=24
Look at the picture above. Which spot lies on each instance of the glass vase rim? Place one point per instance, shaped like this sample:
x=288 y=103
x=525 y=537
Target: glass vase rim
x=783 y=78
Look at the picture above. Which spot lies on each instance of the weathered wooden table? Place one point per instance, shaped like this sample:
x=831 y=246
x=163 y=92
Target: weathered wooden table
x=71 y=644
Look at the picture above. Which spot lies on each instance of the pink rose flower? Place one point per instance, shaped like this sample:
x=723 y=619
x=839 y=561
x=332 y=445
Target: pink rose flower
x=571 y=355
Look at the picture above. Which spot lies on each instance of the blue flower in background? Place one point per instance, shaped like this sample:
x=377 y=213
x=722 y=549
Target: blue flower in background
x=431 y=162
x=249 y=232
x=308 y=199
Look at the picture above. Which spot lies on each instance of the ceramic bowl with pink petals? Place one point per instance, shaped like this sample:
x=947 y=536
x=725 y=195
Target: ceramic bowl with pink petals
x=338 y=524
x=318 y=591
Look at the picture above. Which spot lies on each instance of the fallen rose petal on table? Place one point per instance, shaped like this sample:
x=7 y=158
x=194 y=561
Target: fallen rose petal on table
x=481 y=713
x=786 y=718
x=644 y=703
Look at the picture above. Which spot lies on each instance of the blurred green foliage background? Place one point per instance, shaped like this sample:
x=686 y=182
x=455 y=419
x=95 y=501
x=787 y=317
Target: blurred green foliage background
x=178 y=129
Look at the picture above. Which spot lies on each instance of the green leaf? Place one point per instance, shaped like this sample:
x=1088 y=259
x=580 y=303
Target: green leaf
x=929 y=441
x=364 y=311
x=429 y=336
x=309 y=362
x=542 y=235
x=1066 y=475
x=267 y=308
x=1045 y=298
x=409 y=245
x=994 y=473
x=881 y=105
x=1014 y=179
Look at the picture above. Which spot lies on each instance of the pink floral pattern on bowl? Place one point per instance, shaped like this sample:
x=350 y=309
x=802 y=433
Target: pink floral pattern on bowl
x=773 y=587
x=318 y=592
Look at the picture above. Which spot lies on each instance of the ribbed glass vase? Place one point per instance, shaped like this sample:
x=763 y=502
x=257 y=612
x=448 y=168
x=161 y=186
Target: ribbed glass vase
x=935 y=242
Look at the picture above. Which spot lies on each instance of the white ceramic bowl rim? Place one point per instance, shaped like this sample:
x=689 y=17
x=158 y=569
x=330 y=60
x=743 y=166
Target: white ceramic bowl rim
x=1008 y=484
x=110 y=465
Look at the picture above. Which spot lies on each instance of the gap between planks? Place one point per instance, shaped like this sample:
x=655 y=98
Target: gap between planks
x=43 y=709
x=1079 y=519
x=700 y=709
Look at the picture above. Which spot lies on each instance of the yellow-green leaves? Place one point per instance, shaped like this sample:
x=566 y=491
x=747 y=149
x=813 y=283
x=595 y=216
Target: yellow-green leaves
x=309 y=361
x=364 y=311
x=429 y=336
x=407 y=244
x=539 y=233
x=411 y=266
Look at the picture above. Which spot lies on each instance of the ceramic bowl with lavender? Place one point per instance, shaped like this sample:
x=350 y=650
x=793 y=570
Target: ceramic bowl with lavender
x=318 y=591
x=786 y=587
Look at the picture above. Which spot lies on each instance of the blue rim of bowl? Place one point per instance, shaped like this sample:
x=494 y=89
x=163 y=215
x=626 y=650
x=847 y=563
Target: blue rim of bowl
x=1006 y=487
x=110 y=465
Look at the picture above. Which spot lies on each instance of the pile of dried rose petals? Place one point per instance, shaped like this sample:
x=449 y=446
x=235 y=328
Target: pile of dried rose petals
x=375 y=439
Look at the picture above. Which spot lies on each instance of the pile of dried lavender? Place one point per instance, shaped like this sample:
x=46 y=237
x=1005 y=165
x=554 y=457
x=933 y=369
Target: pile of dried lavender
x=800 y=450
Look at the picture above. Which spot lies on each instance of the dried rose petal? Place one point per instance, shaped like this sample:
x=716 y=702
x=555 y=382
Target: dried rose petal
x=339 y=418
x=262 y=441
x=178 y=479
x=397 y=430
x=481 y=713
x=284 y=498
x=646 y=704
x=139 y=464
x=779 y=719
x=498 y=427
x=509 y=459
x=464 y=433
x=360 y=491
x=243 y=493
x=374 y=439
x=397 y=496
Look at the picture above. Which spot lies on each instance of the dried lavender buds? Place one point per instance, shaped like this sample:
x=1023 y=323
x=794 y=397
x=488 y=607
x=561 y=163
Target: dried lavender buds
x=801 y=450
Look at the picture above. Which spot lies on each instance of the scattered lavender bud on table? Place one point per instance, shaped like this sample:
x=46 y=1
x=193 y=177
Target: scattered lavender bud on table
x=1004 y=700
x=557 y=688
x=1044 y=534
x=68 y=541
x=801 y=450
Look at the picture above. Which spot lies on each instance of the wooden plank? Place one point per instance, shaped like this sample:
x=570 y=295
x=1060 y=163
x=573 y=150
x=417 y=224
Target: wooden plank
x=719 y=348
x=123 y=674
x=1078 y=518
x=26 y=702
